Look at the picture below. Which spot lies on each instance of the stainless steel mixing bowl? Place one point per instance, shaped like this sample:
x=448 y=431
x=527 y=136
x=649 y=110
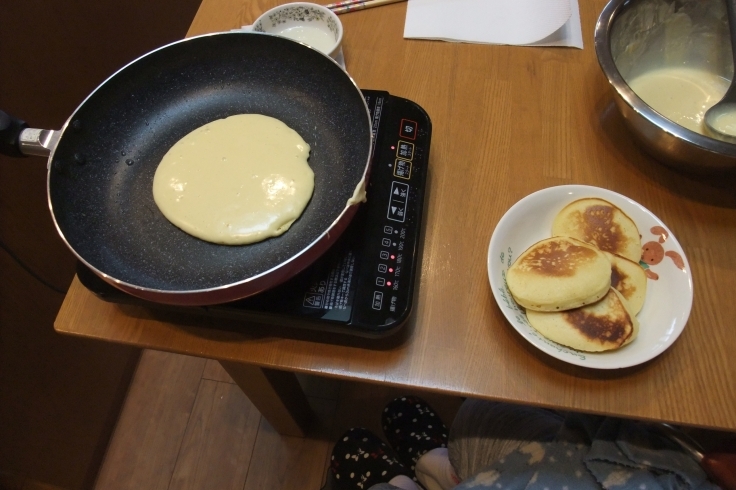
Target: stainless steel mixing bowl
x=634 y=36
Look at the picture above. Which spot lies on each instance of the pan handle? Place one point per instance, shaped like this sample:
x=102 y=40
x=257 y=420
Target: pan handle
x=10 y=129
x=18 y=140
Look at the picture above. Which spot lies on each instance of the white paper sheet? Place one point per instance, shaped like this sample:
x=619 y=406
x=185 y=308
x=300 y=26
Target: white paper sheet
x=515 y=22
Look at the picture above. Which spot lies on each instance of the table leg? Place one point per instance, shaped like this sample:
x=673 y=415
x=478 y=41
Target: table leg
x=276 y=394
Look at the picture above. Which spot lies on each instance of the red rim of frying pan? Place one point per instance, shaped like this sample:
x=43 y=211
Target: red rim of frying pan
x=100 y=174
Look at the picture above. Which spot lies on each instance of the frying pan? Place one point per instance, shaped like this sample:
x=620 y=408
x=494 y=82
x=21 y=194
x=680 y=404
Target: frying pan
x=100 y=172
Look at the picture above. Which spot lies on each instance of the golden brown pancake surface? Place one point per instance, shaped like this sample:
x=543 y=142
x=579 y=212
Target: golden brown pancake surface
x=556 y=258
x=605 y=325
x=559 y=273
x=600 y=223
x=629 y=279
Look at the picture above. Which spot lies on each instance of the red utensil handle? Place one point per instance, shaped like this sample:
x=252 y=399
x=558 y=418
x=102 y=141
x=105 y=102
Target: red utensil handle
x=721 y=468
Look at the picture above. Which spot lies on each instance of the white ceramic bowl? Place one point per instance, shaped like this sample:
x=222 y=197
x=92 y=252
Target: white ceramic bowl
x=668 y=299
x=302 y=21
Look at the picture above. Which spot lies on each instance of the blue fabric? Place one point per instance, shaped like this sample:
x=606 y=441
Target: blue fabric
x=633 y=445
x=616 y=455
x=619 y=455
x=537 y=466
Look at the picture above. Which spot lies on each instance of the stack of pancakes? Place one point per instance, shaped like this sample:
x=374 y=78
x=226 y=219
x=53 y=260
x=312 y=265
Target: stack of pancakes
x=583 y=287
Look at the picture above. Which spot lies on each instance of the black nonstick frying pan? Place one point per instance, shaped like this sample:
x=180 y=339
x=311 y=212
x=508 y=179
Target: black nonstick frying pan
x=101 y=170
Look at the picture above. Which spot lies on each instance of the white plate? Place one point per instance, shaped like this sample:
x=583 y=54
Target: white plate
x=668 y=300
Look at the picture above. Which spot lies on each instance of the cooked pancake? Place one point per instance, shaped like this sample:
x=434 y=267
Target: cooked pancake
x=629 y=279
x=605 y=325
x=559 y=273
x=601 y=223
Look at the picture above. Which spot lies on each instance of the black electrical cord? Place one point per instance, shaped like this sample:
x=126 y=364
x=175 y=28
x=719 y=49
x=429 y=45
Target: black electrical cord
x=29 y=270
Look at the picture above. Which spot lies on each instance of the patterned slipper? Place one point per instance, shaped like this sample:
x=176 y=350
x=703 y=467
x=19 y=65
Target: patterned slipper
x=412 y=428
x=361 y=459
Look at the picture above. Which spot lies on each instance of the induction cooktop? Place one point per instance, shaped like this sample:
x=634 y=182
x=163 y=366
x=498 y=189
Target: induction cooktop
x=364 y=284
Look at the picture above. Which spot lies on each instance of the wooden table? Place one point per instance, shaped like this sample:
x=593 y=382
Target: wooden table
x=507 y=121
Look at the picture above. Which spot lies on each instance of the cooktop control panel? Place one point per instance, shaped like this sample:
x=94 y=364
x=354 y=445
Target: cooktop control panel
x=393 y=221
x=364 y=284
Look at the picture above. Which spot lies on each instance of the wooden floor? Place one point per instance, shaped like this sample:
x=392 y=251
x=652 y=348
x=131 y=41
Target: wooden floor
x=186 y=425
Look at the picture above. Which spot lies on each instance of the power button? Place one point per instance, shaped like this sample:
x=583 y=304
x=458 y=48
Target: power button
x=408 y=129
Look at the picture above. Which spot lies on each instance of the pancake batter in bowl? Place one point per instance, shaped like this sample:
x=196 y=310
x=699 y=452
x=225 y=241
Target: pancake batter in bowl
x=681 y=94
x=235 y=181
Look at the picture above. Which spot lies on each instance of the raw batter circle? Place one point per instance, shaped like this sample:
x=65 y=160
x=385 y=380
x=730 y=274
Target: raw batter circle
x=235 y=181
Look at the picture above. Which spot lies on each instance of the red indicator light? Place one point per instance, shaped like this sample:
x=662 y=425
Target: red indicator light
x=390 y=270
x=393 y=147
x=393 y=257
x=388 y=283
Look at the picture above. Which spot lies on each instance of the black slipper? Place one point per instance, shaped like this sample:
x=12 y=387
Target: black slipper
x=361 y=459
x=412 y=428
